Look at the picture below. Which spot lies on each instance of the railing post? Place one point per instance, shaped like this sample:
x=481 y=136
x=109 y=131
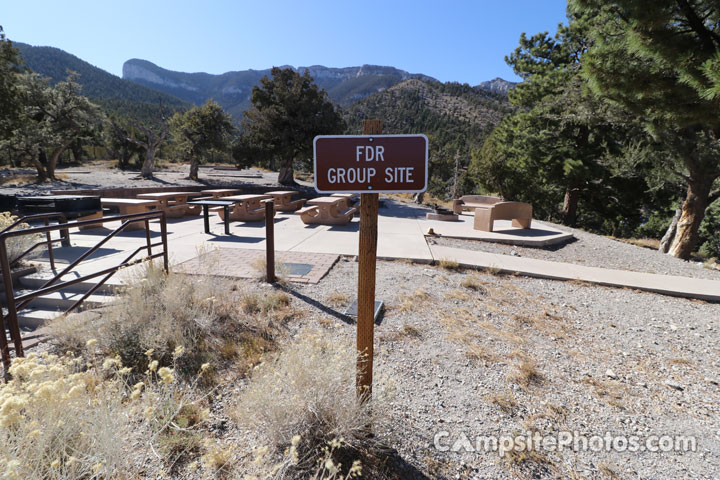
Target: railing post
x=163 y=232
x=147 y=237
x=270 y=240
x=51 y=256
x=12 y=320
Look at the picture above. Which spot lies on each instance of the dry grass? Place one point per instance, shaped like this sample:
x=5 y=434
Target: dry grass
x=449 y=264
x=525 y=371
x=529 y=464
x=473 y=282
x=608 y=471
x=407 y=332
x=505 y=401
x=651 y=243
x=338 y=299
x=460 y=295
x=411 y=302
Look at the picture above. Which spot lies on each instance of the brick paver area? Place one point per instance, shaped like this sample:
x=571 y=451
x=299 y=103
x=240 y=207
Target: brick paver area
x=241 y=263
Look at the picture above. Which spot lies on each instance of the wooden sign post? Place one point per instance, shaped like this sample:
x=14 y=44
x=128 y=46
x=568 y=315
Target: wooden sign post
x=369 y=164
x=367 y=253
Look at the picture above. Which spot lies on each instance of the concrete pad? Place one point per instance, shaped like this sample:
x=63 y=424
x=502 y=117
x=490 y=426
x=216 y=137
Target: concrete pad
x=664 y=284
x=503 y=232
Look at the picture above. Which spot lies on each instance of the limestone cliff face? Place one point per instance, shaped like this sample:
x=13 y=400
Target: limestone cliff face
x=137 y=71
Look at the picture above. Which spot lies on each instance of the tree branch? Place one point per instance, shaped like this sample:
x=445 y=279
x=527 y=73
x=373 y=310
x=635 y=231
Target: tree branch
x=709 y=39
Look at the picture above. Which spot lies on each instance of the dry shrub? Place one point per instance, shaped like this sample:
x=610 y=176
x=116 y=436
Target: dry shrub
x=61 y=417
x=161 y=312
x=305 y=403
x=58 y=422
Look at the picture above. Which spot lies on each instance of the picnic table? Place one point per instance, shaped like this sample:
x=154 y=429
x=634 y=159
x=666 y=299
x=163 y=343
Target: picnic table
x=222 y=204
x=283 y=200
x=174 y=203
x=127 y=206
x=326 y=211
x=221 y=192
x=348 y=197
x=246 y=208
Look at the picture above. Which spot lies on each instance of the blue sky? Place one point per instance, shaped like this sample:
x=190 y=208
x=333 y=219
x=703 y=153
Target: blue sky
x=464 y=41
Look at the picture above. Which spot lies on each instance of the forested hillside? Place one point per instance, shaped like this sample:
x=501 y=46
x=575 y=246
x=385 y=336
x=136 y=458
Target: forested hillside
x=113 y=93
x=456 y=118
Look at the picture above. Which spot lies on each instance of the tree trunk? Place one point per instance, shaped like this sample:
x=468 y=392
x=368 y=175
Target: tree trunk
x=693 y=212
x=77 y=150
x=149 y=164
x=52 y=163
x=42 y=173
x=418 y=197
x=570 y=204
x=285 y=175
x=670 y=233
x=194 y=165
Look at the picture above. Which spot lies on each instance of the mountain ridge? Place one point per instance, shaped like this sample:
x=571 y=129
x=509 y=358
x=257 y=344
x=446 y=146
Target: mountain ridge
x=232 y=90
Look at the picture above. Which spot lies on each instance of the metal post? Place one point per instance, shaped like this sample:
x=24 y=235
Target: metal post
x=51 y=256
x=12 y=320
x=367 y=254
x=163 y=232
x=206 y=218
x=270 y=240
x=147 y=237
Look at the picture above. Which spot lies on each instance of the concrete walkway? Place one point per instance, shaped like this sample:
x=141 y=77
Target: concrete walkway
x=401 y=235
x=665 y=284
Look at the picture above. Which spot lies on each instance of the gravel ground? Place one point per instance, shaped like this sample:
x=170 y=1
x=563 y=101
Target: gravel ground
x=596 y=251
x=475 y=354
x=101 y=175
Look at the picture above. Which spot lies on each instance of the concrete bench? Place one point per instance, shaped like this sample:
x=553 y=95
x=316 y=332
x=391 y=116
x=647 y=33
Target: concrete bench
x=471 y=202
x=519 y=212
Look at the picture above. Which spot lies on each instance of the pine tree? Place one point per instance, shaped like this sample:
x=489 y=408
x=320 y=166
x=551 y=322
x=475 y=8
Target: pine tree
x=661 y=60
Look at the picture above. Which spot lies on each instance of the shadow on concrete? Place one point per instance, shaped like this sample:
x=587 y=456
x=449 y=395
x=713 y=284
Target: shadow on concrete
x=105 y=231
x=70 y=254
x=235 y=239
x=401 y=210
x=311 y=301
x=527 y=232
x=260 y=224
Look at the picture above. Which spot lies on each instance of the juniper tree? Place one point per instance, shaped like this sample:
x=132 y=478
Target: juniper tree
x=288 y=111
x=199 y=131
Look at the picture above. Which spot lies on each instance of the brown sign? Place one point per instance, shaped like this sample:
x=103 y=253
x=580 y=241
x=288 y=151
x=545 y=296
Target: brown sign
x=370 y=163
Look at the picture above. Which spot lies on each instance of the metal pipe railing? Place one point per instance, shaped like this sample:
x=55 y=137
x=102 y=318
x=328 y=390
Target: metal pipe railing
x=14 y=305
x=64 y=234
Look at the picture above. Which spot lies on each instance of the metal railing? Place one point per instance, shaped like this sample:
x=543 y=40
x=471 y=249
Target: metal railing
x=16 y=304
x=64 y=234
